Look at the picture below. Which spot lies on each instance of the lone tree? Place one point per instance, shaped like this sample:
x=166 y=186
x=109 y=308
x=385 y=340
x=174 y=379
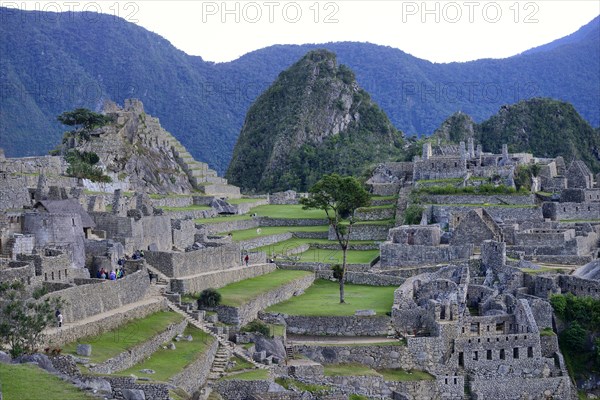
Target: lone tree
x=339 y=197
x=22 y=318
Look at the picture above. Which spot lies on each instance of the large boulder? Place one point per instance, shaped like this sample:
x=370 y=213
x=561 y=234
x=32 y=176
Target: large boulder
x=222 y=207
x=272 y=347
x=133 y=394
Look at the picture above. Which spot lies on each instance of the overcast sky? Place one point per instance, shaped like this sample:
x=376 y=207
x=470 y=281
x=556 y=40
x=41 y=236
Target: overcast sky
x=439 y=31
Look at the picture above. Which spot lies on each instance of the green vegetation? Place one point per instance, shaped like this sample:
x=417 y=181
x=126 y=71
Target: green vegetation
x=254 y=375
x=27 y=381
x=209 y=298
x=339 y=197
x=223 y=218
x=244 y=200
x=286 y=246
x=273 y=230
x=319 y=300
x=524 y=175
x=547 y=332
x=240 y=364
x=23 y=319
x=167 y=363
x=336 y=256
x=288 y=142
x=188 y=208
x=413 y=214
x=238 y=293
x=401 y=375
x=287 y=211
x=82 y=165
x=581 y=315
x=484 y=189
x=135 y=332
x=256 y=326
x=84 y=119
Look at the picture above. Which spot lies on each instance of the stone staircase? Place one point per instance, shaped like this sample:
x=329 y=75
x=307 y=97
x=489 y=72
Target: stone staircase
x=225 y=351
x=402 y=203
x=199 y=174
x=289 y=352
x=7 y=248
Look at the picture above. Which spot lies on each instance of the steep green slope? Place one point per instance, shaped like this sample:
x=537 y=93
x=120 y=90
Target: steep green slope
x=313 y=120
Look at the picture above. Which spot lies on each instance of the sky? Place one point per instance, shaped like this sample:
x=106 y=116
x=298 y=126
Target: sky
x=438 y=31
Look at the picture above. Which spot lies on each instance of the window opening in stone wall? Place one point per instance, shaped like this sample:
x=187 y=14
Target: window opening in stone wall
x=461 y=361
x=502 y=354
x=475 y=355
x=530 y=352
x=516 y=353
x=489 y=355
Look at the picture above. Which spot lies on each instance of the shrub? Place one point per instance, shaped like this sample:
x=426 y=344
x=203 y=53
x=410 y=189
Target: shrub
x=209 y=298
x=39 y=292
x=256 y=326
x=574 y=337
x=413 y=214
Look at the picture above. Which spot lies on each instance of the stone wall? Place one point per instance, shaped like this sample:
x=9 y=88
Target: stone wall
x=227 y=226
x=381 y=356
x=49 y=165
x=439 y=213
x=232 y=389
x=195 y=374
x=397 y=255
x=365 y=232
x=180 y=264
x=338 y=326
x=480 y=199
x=134 y=234
x=183 y=232
x=249 y=311
x=267 y=221
x=579 y=286
x=122 y=384
x=13 y=191
x=264 y=240
x=178 y=201
x=134 y=355
x=84 y=301
x=218 y=279
x=70 y=334
x=518 y=388
x=572 y=211
x=365 y=278
x=374 y=214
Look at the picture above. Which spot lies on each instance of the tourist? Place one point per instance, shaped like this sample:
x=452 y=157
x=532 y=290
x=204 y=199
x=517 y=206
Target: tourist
x=141 y=253
x=112 y=276
x=246 y=259
x=59 y=317
x=103 y=274
x=150 y=275
x=99 y=273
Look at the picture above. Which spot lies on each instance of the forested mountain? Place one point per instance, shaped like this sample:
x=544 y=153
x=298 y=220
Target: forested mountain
x=544 y=127
x=313 y=120
x=51 y=63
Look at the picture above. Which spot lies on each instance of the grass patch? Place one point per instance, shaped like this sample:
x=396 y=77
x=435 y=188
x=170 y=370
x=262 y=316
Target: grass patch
x=109 y=344
x=387 y=222
x=574 y=221
x=349 y=370
x=392 y=197
x=240 y=364
x=157 y=196
x=287 y=211
x=400 y=375
x=26 y=381
x=322 y=299
x=486 y=205
x=335 y=256
x=285 y=247
x=252 y=233
x=547 y=332
x=167 y=363
x=241 y=292
x=223 y=218
x=383 y=207
x=538 y=270
x=254 y=375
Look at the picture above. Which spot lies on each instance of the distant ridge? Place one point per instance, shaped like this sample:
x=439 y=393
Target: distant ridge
x=50 y=65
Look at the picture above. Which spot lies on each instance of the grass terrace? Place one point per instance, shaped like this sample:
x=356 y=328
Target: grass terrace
x=135 y=332
x=238 y=293
x=395 y=375
x=252 y=233
x=335 y=256
x=243 y=200
x=400 y=375
x=223 y=218
x=254 y=375
x=349 y=370
x=285 y=211
x=26 y=381
x=487 y=205
x=167 y=363
x=323 y=299
x=285 y=246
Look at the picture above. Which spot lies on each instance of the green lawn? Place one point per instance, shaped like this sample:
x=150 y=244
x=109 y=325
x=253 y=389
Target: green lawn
x=223 y=218
x=167 y=363
x=384 y=197
x=349 y=370
x=273 y=230
x=287 y=211
x=322 y=299
x=486 y=205
x=238 y=293
x=254 y=375
x=335 y=256
x=386 y=206
x=401 y=375
x=290 y=244
x=26 y=381
x=109 y=344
